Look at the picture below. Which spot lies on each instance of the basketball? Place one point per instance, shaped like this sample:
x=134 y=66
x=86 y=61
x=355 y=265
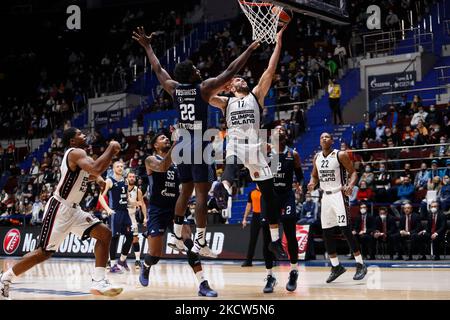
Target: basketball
x=284 y=16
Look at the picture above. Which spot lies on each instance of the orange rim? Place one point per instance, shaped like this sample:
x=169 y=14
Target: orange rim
x=256 y=4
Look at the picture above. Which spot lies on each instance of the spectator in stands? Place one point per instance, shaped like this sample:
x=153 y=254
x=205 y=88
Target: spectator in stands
x=124 y=147
x=393 y=153
x=340 y=54
x=422 y=177
x=420 y=115
x=421 y=128
x=435 y=134
x=368 y=175
x=444 y=195
x=445 y=171
x=37 y=211
x=392 y=21
x=419 y=139
x=334 y=91
x=382 y=183
x=387 y=233
x=140 y=142
x=433 y=116
x=410 y=226
x=379 y=130
x=133 y=163
x=363 y=229
x=392 y=117
x=388 y=135
x=364 y=193
x=309 y=211
x=405 y=193
x=435 y=231
x=366 y=156
x=444 y=150
x=434 y=171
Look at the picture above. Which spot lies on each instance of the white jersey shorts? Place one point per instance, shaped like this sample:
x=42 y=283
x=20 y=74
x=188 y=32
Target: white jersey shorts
x=334 y=210
x=252 y=157
x=60 y=219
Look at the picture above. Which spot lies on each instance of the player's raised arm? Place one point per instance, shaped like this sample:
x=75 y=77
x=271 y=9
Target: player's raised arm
x=153 y=164
x=265 y=81
x=348 y=165
x=78 y=157
x=163 y=76
x=213 y=86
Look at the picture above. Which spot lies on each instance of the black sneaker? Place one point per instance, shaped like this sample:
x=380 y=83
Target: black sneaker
x=205 y=290
x=270 y=284
x=247 y=263
x=292 y=283
x=336 y=272
x=277 y=249
x=361 y=271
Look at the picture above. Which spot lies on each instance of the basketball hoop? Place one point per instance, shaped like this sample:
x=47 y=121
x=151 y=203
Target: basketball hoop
x=264 y=18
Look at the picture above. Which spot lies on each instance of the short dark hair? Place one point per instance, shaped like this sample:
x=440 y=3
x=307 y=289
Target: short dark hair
x=155 y=138
x=183 y=71
x=68 y=134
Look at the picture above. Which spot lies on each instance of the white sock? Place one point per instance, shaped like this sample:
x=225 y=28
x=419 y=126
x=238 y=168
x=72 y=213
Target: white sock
x=274 y=234
x=359 y=259
x=138 y=256
x=9 y=275
x=334 y=261
x=269 y=272
x=177 y=229
x=123 y=258
x=200 y=235
x=200 y=276
x=294 y=266
x=99 y=273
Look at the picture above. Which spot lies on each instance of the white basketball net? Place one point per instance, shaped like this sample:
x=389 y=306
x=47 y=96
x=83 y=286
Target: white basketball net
x=264 y=21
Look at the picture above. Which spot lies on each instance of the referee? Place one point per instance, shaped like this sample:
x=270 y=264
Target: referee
x=253 y=205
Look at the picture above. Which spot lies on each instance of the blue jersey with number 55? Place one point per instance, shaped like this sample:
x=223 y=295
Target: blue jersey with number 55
x=192 y=109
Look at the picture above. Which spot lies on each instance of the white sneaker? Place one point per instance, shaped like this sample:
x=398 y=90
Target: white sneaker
x=105 y=288
x=4 y=289
x=203 y=250
x=175 y=243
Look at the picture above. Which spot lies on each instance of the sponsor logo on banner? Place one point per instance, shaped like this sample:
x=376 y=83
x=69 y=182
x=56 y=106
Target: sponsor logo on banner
x=302 y=232
x=11 y=241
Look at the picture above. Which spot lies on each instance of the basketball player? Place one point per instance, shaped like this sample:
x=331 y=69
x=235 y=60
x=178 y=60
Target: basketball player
x=135 y=199
x=120 y=221
x=164 y=182
x=190 y=97
x=287 y=165
x=63 y=214
x=243 y=115
x=329 y=172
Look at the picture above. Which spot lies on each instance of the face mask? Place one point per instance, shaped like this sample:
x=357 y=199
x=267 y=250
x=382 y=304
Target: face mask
x=363 y=211
x=367 y=169
x=431 y=109
x=382 y=169
x=383 y=216
x=433 y=210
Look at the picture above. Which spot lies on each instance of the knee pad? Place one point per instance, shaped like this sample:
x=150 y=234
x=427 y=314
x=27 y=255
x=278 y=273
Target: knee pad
x=151 y=260
x=193 y=259
x=189 y=243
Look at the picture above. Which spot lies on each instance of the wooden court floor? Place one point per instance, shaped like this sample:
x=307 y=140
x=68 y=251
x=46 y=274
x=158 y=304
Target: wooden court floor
x=70 y=279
